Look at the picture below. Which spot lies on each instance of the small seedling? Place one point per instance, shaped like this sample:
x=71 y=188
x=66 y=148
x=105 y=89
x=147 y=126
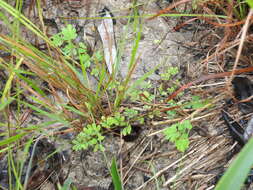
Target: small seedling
x=196 y=103
x=90 y=137
x=133 y=115
x=117 y=120
x=178 y=134
x=117 y=182
x=65 y=40
x=171 y=71
x=142 y=88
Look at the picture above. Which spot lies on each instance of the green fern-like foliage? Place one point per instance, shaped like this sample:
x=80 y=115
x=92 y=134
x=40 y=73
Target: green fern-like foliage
x=90 y=137
x=178 y=134
x=117 y=120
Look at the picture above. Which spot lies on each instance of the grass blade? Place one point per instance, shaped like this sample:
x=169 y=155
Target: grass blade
x=250 y=3
x=238 y=171
x=9 y=81
x=12 y=139
x=115 y=176
x=6 y=103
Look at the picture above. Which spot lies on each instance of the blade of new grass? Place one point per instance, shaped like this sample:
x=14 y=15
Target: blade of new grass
x=12 y=139
x=115 y=176
x=250 y=3
x=33 y=85
x=6 y=103
x=5 y=149
x=239 y=169
x=148 y=16
x=15 y=172
x=137 y=26
x=9 y=81
x=15 y=13
x=55 y=117
x=74 y=110
x=142 y=78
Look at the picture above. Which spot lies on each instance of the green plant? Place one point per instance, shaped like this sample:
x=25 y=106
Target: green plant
x=240 y=9
x=115 y=176
x=90 y=137
x=67 y=35
x=125 y=87
x=134 y=93
x=250 y=3
x=133 y=115
x=67 y=70
x=170 y=72
x=65 y=41
x=178 y=134
x=166 y=77
x=67 y=185
x=196 y=103
x=117 y=120
x=238 y=170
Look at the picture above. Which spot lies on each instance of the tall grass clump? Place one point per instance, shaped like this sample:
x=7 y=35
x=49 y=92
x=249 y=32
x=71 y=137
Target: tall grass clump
x=65 y=68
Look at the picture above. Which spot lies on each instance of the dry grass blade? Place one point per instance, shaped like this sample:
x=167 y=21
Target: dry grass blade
x=106 y=32
x=148 y=143
x=166 y=10
x=163 y=170
x=208 y=77
x=243 y=37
